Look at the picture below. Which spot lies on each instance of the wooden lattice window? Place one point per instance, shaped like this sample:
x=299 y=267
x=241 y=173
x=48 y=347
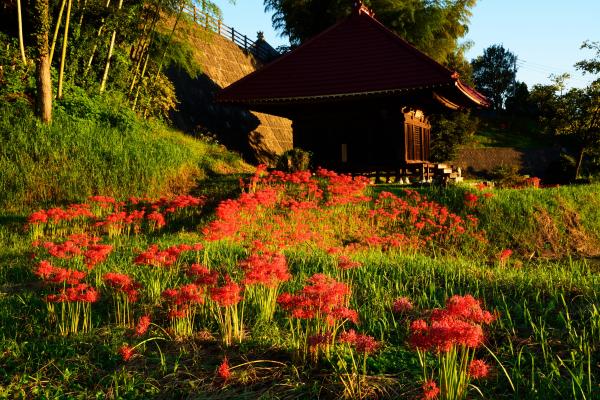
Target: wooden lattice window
x=417 y=133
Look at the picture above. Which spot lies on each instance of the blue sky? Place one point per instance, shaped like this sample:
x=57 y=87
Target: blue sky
x=544 y=34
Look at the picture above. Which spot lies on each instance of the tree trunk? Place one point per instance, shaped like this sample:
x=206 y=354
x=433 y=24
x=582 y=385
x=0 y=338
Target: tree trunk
x=20 y=21
x=110 y=51
x=44 y=88
x=579 y=162
x=42 y=63
x=64 y=51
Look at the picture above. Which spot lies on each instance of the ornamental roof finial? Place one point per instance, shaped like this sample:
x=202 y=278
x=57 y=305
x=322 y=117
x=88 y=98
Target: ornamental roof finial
x=360 y=8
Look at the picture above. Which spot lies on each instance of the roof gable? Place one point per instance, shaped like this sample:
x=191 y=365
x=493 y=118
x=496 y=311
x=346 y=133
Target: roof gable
x=356 y=56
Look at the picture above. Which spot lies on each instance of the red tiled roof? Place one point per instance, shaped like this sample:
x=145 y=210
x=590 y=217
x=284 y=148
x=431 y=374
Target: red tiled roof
x=357 y=56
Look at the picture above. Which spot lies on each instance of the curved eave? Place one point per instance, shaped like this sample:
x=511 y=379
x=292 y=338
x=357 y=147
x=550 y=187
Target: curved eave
x=325 y=97
x=473 y=95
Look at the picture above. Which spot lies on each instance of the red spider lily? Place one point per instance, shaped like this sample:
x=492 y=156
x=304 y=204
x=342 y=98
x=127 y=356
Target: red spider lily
x=322 y=297
x=180 y=202
x=341 y=313
x=64 y=250
x=38 y=217
x=481 y=186
x=457 y=325
x=142 y=326
x=185 y=295
x=267 y=269
x=78 y=293
x=126 y=352
x=478 y=369
x=203 y=276
x=102 y=199
x=44 y=270
x=228 y=294
x=430 y=390
x=320 y=339
x=443 y=334
x=471 y=199
x=52 y=274
x=234 y=214
x=156 y=257
x=346 y=263
x=96 y=254
x=402 y=305
x=157 y=219
x=223 y=371
x=467 y=308
x=488 y=195
x=363 y=344
x=505 y=255
x=83 y=239
x=123 y=283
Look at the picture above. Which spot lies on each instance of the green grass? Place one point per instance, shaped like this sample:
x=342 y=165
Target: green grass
x=545 y=340
x=505 y=138
x=517 y=132
x=95 y=146
x=554 y=222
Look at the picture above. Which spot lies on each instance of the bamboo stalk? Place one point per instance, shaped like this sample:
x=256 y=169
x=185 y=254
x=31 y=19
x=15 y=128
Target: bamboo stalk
x=56 y=29
x=91 y=59
x=21 y=43
x=64 y=51
x=110 y=51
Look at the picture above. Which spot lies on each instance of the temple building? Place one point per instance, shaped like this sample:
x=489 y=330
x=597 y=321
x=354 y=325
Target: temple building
x=358 y=96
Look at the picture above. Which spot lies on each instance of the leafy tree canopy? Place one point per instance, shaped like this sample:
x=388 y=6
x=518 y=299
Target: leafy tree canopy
x=576 y=112
x=433 y=26
x=494 y=74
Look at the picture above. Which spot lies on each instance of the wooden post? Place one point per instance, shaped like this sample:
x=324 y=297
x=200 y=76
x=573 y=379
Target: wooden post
x=206 y=21
x=219 y=27
x=195 y=18
x=233 y=35
x=245 y=42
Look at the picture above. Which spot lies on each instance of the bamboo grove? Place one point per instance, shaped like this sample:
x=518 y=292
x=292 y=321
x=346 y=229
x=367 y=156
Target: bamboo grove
x=95 y=46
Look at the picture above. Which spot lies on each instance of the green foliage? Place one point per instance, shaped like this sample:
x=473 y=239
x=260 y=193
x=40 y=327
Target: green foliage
x=506 y=176
x=16 y=79
x=591 y=66
x=448 y=131
x=142 y=49
x=517 y=103
x=157 y=97
x=574 y=113
x=294 y=160
x=433 y=27
x=96 y=146
x=494 y=74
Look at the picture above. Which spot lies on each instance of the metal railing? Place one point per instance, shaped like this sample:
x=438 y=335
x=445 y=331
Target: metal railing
x=210 y=22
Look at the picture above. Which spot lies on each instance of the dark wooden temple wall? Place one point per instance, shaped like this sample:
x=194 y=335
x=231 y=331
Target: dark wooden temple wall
x=357 y=136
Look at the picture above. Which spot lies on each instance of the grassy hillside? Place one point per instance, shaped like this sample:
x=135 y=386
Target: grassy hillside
x=97 y=146
x=550 y=223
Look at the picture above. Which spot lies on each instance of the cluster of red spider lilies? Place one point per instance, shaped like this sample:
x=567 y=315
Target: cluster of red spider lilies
x=79 y=256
